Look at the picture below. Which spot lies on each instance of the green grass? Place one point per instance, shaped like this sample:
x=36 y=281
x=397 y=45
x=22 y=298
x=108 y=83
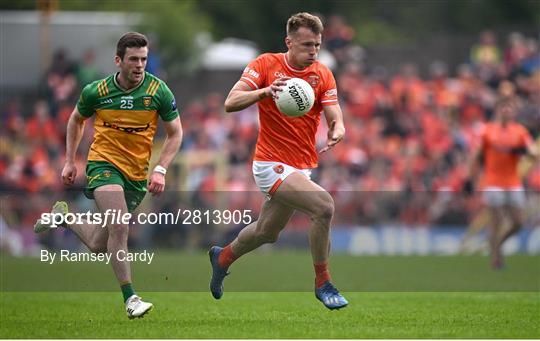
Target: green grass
x=273 y=315
x=175 y=271
x=269 y=295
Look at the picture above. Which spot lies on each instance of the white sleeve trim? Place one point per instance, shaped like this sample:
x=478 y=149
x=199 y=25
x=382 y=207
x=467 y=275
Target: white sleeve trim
x=250 y=81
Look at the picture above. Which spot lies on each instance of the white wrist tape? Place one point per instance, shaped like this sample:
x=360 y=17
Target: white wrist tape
x=160 y=169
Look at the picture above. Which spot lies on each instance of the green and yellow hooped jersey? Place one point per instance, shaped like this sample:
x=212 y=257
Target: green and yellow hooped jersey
x=126 y=121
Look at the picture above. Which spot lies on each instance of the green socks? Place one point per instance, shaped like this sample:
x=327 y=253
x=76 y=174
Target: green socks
x=127 y=291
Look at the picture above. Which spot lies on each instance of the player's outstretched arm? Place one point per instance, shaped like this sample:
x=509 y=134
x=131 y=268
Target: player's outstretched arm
x=173 y=129
x=74 y=135
x=336 y=127
x=242 y=96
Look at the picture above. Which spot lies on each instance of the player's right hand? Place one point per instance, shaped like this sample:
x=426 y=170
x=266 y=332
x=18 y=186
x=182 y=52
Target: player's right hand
x=69 y=173
x=156 y=183
x=276 y=87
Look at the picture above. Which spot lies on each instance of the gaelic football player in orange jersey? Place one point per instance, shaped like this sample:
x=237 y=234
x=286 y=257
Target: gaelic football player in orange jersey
x=503 y=143
x=285 y=153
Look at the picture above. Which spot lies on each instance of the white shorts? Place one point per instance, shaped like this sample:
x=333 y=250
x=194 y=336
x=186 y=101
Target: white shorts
x=269 y=175
x=497 y=196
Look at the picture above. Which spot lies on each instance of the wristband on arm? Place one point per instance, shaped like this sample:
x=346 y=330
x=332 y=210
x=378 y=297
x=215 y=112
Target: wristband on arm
x=160 y=169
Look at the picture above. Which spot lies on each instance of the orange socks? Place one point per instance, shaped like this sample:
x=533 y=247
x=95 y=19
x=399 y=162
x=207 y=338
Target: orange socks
x=226 y=257
x=321 y=274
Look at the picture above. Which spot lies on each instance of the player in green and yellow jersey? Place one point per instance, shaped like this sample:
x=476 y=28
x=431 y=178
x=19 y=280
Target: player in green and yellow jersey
x=126 y=106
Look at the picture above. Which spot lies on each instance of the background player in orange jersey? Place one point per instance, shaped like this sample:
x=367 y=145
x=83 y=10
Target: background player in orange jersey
x=503 y=143
x=285 y=153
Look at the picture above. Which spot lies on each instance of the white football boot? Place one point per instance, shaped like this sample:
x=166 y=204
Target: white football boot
x=60 y=207
x=135 y=307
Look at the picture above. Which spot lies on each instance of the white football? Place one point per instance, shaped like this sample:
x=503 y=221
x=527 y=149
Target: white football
x=296 y=99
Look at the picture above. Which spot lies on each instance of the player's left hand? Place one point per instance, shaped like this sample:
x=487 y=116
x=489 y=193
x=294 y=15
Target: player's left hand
x=156 y=183
x=335 y=135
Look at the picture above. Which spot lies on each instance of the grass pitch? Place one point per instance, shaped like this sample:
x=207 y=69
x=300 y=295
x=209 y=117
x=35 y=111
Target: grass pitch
x=273 y=315
x=497 y=304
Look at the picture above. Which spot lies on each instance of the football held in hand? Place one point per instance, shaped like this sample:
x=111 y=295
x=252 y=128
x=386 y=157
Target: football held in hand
x=296 y=99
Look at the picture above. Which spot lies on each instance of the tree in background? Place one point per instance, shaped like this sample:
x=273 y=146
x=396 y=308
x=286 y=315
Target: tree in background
x=376 y=22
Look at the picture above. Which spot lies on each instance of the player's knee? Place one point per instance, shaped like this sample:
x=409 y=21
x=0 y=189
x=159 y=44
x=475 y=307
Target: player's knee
x=98 y=248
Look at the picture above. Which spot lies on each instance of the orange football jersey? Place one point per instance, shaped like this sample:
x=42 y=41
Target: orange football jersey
x=290 y=140
x=500 y=166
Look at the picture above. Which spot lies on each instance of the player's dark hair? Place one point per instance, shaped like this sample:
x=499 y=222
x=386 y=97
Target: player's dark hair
x=304 y=19
x=130 y=39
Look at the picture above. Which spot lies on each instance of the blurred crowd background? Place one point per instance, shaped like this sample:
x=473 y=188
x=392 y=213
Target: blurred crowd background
x=410 y=129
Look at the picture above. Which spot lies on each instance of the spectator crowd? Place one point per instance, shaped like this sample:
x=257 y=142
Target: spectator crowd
x=407 y=142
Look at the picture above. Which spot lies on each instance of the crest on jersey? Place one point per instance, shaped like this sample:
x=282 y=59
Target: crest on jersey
x=107 y=173
x=147 y=101
x=278 y=169
x=313 y=80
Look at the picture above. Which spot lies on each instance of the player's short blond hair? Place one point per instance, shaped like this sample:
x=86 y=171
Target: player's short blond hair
x=304 y=19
